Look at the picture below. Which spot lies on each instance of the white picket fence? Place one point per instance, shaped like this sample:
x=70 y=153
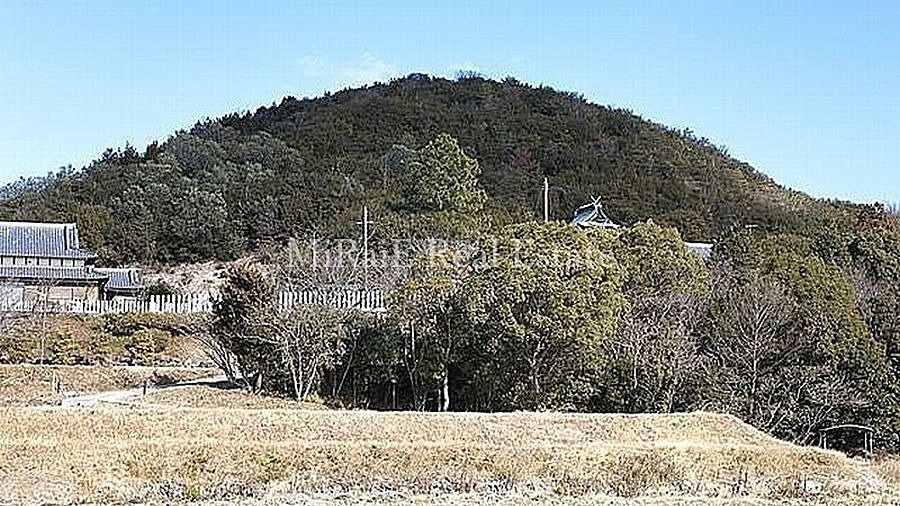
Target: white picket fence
x=171 y=304
x=363 y=300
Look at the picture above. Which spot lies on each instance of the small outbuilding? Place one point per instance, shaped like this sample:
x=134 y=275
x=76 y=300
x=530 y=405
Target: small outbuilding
x=848 y=437
x=123 y=282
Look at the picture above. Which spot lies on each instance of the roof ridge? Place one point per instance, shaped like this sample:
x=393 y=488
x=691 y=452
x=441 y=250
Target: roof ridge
x=41 y=239
x=36 y=224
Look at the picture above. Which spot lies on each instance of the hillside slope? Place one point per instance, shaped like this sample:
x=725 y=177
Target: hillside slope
x=308 y=166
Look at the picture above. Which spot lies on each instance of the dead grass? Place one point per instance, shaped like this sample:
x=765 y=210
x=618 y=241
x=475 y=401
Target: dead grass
x=531 y=497
x=177 y=454
x=32 y=385
x=888 y=469
x=206 y=396
x=207 y=444
x=188 y=278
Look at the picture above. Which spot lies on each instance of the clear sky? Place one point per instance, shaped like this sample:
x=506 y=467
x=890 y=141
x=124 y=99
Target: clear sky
x=806 y=91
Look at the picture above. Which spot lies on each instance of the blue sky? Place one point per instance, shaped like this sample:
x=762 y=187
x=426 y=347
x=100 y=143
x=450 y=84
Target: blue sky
x=808 y=92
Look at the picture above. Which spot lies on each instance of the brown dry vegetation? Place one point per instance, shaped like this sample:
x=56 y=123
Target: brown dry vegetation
x=187 y=277
x=181 y=454
x=888 y=469
x=206 y=444
x=31 y=385
x=210 y=396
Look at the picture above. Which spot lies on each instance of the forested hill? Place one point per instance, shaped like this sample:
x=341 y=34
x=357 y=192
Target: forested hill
x=307 y=166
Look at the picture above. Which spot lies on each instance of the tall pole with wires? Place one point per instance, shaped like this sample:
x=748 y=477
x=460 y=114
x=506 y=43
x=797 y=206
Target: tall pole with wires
x=546 y=200
x=365 y=225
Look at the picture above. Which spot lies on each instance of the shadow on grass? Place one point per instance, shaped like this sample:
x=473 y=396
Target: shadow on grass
x=165 y=381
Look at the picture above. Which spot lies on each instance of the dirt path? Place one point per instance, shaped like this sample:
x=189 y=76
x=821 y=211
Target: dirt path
x=127 y=396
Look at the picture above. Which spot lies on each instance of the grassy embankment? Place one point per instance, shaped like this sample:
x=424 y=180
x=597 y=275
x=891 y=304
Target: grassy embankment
x=81 y=354
x=112 y=339
x=153 y=453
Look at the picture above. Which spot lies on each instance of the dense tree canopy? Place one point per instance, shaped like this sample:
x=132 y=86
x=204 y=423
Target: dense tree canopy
x=787 y=336
x=542 y=306
x=308 y=166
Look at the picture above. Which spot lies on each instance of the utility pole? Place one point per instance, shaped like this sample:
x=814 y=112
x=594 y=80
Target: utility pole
x=546 y=200
x=365 y=224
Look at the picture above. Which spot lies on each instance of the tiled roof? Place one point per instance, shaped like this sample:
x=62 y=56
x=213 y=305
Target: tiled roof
x=49 y=274
x=592 y=215
x=51 y=240
x=122 y=279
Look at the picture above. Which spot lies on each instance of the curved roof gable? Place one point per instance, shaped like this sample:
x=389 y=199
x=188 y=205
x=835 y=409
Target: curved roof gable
x=592 y=215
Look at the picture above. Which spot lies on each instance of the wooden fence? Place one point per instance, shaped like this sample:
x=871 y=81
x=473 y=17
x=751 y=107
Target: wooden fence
x=171 y=304
x=363 y=300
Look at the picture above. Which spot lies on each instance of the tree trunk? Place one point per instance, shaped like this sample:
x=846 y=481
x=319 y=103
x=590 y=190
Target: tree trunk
x=445 y=390
x=294 y=379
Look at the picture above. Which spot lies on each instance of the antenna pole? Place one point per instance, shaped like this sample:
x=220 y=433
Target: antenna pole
x=546 y=201
x=365 y=224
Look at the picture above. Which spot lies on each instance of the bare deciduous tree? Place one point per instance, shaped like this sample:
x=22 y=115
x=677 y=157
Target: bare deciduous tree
x=656 y=339
x=40 y=307
x=753 y=343
x=270 y=346
x=309 y=339
x=221 y=356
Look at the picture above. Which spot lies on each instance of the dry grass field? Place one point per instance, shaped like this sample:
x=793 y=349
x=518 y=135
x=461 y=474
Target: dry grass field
x=207 y=445
x=33 y=385
x=212 y=396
